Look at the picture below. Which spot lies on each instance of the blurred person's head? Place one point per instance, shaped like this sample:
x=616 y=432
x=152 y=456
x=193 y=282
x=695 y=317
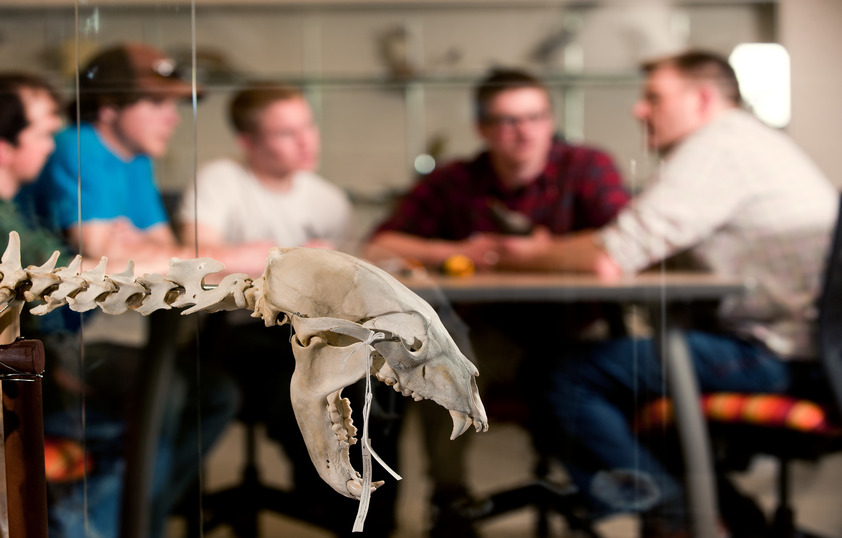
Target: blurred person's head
x=28 y=119
x=683 y=93
x=514 y=117
x=275 y=129
x=129 y=92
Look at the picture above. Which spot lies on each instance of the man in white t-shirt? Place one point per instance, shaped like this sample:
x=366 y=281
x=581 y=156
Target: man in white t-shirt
x=271 y=193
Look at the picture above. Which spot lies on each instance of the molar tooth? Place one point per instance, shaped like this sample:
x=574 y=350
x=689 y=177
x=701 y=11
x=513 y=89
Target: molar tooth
x=417 y=397
x=350 y=428
x=390 y=381
x=406 y=392
x=345 y=407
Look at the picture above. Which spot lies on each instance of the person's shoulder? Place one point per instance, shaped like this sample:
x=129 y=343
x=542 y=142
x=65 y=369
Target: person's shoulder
x=458 y=170
x=67 y=140
x=223 y=169
x=64 y=157
x=72 y=139
x=729 y=134
x=578 y=149
x=223 y=164
x=315 y=181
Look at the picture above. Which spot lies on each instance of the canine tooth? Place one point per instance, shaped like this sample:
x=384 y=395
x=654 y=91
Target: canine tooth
x=461 y=423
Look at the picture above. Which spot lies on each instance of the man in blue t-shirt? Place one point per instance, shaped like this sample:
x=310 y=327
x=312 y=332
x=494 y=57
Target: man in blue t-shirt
x=98 y=189
x=127 y=112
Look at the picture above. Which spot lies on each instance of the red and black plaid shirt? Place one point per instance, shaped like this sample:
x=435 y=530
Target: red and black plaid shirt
x=579 y=189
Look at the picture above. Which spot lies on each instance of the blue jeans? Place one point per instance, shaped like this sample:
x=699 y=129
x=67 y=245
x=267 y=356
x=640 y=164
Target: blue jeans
x=591 y=398
x=90 y=508
x=102 y=489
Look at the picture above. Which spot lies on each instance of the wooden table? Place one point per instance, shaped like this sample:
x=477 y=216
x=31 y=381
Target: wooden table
x=659 y=289
x=548 y=287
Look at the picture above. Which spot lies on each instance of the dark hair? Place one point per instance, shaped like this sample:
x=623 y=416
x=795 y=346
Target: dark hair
x=498 y=81
x=248 y=104
x=703 y=66
x=13 y=118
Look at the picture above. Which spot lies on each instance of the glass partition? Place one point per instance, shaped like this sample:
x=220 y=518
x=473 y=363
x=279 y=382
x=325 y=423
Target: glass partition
x=390 y=85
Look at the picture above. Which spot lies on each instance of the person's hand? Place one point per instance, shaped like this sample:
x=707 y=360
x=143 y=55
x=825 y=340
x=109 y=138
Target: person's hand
x=320 y=243
x=123 y=233
x=249 y=258
x=483 y=250
x=520 y=251
x=252 y=253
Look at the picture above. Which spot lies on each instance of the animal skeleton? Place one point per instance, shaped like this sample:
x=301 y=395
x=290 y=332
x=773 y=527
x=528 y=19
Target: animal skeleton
x=337 y=305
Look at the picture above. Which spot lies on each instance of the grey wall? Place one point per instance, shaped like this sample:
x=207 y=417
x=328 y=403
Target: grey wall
x=812 y=32
x=374 y=125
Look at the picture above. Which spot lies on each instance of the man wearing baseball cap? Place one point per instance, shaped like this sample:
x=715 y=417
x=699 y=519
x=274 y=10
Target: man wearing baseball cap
x=127 y=112
x=99 y=190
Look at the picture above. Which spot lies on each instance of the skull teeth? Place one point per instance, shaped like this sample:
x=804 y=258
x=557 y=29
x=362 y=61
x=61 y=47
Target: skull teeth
x=340 y=420
x=355 y=486
x=392 y=382
x=461 y=423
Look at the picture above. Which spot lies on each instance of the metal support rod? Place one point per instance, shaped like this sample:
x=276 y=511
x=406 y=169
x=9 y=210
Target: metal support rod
x=698 y=463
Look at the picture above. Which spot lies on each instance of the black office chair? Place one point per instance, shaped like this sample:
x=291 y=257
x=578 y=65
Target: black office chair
x=545 y=494
x=509 y=402
x=785 y=427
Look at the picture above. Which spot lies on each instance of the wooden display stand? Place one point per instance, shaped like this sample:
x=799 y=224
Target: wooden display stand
x=21 y=368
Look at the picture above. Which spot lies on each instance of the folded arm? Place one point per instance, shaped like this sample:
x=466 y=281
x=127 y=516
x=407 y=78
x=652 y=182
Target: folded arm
x=482 y=249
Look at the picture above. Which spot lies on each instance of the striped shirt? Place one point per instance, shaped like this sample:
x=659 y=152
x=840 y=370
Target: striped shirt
x=744 y=201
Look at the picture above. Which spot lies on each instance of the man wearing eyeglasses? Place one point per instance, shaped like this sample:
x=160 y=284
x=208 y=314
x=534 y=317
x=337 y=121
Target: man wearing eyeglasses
x=526 y=187
x=525 y=168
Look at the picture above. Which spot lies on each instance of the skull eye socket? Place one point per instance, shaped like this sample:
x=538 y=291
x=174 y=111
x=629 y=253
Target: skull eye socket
x=415 y=346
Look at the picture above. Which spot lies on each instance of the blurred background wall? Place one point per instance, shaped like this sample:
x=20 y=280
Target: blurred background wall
x=390 y=79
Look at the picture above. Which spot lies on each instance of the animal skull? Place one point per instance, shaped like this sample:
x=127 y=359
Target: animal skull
x=335 y=302
x=351 y=319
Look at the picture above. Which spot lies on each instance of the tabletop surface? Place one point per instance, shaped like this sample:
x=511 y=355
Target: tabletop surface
x=559 y=287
